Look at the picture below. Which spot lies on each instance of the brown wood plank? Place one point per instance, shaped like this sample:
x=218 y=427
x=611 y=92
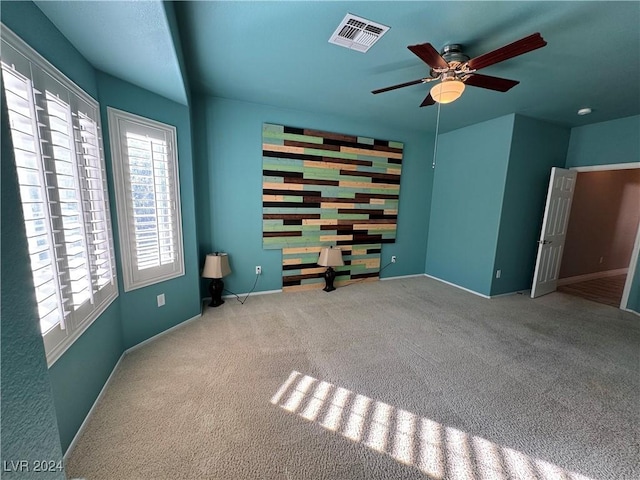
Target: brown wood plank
x=346 y=161
x=307 y=181
x=333 y=136
x=281 y=234
x=317 y=146
x=290 y=216
x=381 y=176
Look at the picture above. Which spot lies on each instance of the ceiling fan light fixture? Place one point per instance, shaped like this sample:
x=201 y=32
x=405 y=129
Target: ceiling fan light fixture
x=447 y=91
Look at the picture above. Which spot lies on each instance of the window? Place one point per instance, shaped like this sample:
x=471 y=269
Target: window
x=147 y=199
x=55 y=129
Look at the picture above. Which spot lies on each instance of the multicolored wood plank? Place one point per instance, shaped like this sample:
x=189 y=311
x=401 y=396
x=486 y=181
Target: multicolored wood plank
x=300 y=270
x=321 y=189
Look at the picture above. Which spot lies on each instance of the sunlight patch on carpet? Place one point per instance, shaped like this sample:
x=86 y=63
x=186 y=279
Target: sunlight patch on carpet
x=435 y=449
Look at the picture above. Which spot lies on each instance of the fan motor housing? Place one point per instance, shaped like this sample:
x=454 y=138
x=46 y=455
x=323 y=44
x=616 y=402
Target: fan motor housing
x=453 y=53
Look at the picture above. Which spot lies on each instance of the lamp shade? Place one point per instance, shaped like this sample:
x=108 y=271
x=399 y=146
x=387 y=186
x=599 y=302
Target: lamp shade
x=330 y=257
x=216 y=265
x=447 y=91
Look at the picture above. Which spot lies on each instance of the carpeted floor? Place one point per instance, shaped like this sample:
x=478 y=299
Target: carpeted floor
x=400 y=379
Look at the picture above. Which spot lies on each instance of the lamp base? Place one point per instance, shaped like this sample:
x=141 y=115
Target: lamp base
x=329 y=277
x=215 y=289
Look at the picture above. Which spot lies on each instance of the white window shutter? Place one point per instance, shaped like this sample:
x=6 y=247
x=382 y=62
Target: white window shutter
x=147 y=199
x=55 y=130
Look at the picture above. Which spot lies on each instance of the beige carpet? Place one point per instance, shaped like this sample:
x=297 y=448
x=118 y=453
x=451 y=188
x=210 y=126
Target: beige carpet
x=400 y=379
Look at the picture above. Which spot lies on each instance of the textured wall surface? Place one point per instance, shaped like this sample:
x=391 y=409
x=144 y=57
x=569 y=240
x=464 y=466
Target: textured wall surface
x=615 y=141
x=322 y=189
x=467 y=202
x=536 y=147
x=29 y=429
x=228 y=182
x=141 y=317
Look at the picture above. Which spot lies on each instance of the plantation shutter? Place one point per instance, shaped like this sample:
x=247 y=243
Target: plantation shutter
x=60 y=164
x=145 y=166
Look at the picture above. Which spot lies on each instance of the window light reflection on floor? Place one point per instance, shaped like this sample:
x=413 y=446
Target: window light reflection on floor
x=433 y=448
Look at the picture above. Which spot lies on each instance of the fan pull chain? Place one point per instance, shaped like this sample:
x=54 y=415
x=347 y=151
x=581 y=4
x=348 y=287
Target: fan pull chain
x=435 y=143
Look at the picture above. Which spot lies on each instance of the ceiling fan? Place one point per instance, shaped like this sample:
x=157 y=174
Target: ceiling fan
x=454 y=69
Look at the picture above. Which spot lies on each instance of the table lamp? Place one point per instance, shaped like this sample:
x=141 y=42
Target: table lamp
x=330 y=257
x=216 y=266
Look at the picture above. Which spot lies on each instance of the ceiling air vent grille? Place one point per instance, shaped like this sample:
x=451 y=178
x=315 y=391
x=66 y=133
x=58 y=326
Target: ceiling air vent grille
x=357 y=33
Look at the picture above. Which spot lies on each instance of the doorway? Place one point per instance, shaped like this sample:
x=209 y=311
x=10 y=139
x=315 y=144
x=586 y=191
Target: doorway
x=601 y=247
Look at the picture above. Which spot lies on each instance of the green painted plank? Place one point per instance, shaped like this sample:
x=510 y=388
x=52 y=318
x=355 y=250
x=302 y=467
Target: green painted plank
x=267 y=140
x=270 y=179
x=281 y=167
x=295 y=137
x=330 y=153
x=268 y=128
x=322 y=173
x=274 y=161
x=366 y=140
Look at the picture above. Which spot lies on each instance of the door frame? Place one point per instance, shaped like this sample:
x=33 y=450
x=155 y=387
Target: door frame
x=636 y=248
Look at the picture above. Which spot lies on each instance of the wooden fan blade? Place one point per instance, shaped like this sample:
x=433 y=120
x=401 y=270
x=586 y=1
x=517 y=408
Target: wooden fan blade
x=428 y=101
x=524 y=45
x=429 y=55
x=401 y=85
x=492 y=83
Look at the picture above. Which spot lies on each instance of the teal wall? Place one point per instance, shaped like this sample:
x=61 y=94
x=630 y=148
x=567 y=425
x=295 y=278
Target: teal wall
x=603 y=143
x=634 y=294
x=616 y=141
x=78 y=376
x=29 y=429
x=468 y=186
x=172 y=21
x=140 y=316
x=229 y=187
x=536 y=147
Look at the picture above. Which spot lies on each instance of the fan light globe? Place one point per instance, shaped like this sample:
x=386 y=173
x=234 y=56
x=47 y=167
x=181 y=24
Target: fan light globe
x=447 y=91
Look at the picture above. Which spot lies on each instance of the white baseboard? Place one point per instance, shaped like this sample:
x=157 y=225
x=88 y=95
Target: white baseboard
x=526 y=292
x=631 y=311
x=78 y=434
x=592 y=276
x=263 y=292
x=457 y=286
x=161 y=334
x=403 y=276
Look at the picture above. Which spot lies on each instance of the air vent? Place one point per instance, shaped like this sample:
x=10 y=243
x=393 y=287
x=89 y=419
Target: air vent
x=357 y=33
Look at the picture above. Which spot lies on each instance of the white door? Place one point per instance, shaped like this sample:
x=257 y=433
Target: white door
x=554 y=231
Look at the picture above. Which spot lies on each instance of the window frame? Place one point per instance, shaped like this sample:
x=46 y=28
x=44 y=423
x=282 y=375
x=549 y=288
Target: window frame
x=79 y=108
x=133 y=278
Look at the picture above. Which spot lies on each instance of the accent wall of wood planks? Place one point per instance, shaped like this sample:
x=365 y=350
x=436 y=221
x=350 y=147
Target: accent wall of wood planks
x=321 y=189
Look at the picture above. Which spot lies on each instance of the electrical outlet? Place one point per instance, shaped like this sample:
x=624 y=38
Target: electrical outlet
x=498 y=273
x=258 y=270
x=393 y=259
x=161 y=300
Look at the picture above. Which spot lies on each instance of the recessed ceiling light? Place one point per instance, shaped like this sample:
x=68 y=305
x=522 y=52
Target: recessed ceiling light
x=584 y=111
